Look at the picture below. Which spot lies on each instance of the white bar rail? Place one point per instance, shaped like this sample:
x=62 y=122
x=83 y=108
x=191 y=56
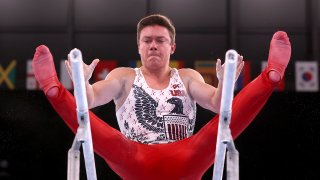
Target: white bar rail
x=225 y=142
x=83 y=135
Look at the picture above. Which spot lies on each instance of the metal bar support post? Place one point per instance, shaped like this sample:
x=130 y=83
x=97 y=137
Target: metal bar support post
x=225 y=145
x=83 y=136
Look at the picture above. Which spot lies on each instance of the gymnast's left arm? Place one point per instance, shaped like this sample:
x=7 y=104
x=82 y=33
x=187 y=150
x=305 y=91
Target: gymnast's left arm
x=207 y=96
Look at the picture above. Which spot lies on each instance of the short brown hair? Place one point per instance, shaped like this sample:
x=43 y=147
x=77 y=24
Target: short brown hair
x=157 y=19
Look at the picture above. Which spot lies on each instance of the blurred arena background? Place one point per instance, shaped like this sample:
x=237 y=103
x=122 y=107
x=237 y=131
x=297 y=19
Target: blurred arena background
x=281 y=143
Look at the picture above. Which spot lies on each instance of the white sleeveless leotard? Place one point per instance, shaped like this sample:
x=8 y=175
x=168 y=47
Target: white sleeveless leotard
x=157 y=116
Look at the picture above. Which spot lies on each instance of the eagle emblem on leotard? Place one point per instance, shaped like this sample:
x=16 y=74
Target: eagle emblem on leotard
x=145 y=109
x=174 y=124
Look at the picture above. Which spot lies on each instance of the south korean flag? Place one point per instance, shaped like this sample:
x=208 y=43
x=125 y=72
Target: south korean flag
x=307 y=76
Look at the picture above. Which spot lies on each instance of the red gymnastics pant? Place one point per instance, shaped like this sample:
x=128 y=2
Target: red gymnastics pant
x=185 y=159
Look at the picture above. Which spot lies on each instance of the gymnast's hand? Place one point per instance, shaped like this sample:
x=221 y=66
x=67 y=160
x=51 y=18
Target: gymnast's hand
x=220 y=68
x=87 y=69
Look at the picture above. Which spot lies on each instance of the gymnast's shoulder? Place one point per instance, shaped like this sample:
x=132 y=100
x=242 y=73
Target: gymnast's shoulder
x=189 y=73
x=121 y=72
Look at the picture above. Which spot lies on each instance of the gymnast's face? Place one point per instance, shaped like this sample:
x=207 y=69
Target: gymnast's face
x=155 y=47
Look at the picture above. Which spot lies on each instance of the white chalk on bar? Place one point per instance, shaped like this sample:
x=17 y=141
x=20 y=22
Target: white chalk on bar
x=231 y=60
x=78 y=80
x=224 y=137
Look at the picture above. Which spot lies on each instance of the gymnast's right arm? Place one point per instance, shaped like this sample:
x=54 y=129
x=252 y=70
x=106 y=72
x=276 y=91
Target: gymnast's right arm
x=111 y=88
x=103 y=91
